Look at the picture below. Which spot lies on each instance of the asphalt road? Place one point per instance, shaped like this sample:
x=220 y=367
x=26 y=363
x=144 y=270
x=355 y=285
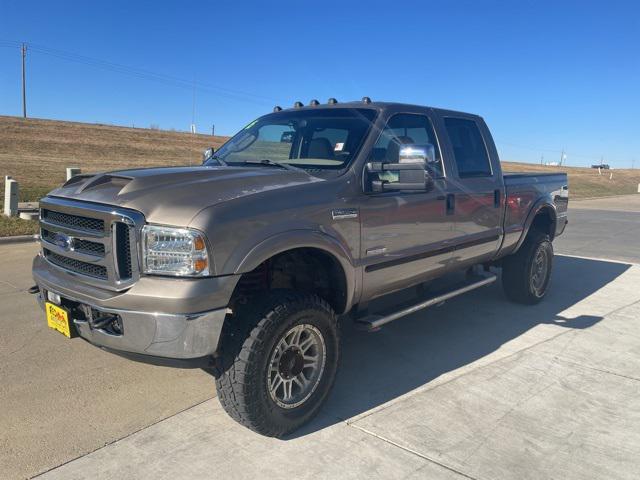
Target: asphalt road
x=479 y=387
x=605 y=228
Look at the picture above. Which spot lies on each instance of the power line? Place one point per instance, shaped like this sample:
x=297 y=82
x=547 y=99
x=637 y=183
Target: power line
x=563 y=152
x=144 y=74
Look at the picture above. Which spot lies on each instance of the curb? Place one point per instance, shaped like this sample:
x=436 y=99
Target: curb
x=574 y=200
x=19 y=239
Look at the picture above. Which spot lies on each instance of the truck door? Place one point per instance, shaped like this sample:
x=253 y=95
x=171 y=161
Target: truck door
x=406 y=235
x=476 y=190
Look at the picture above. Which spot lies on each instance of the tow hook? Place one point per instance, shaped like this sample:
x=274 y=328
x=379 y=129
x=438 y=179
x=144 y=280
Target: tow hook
x=33 y=290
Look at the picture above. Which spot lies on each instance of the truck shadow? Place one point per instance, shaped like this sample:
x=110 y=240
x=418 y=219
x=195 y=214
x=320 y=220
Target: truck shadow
x=409 y=353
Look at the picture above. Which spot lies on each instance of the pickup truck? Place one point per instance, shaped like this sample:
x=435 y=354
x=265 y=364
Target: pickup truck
x=248 y=264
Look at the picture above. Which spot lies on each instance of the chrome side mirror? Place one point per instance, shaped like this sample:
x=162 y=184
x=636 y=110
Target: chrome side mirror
x=207 y=154
x=425 y=154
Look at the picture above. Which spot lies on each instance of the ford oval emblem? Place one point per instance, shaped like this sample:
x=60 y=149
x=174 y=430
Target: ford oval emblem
x=63 y=241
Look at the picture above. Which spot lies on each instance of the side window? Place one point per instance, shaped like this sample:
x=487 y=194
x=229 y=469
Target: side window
x=402 y=129
x=468 y=148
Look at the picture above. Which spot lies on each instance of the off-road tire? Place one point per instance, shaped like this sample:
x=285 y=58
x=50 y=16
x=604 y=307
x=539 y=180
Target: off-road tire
x=247 y=343
x=519 y=268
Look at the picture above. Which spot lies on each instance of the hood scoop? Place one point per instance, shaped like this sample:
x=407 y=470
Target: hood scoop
x=77 y=179
x=105 y=181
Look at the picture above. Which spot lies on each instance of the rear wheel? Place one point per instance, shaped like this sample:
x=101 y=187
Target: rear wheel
x=280 y=357
x=526 y=274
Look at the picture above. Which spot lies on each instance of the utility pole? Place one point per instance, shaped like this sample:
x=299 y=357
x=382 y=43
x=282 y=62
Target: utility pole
x=24 y=81
x=562 y=156
x=193 y=107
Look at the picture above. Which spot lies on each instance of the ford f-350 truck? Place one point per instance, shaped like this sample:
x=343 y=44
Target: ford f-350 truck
x=247 y=264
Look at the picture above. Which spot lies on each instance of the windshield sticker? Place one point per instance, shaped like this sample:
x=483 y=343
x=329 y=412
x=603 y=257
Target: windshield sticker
x=339 y=147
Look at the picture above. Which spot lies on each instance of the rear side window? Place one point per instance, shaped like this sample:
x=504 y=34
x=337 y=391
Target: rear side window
x=468 y=147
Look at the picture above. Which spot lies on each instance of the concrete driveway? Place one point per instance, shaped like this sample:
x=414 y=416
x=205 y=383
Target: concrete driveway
x=478 y=388
x=62 y=398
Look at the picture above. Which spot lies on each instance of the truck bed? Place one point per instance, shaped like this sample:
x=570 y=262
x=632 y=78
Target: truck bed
x=523 y=190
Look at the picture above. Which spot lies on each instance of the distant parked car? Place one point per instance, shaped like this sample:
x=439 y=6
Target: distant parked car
x=604 y=166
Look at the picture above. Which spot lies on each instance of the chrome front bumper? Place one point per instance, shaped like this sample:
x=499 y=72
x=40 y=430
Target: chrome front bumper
x=148 y=332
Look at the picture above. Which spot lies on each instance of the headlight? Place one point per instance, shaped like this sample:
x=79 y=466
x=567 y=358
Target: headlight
x=174 y=251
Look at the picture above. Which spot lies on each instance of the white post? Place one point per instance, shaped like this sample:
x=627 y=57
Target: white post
x=639 y=188
x=10 y=198
x=72 y=172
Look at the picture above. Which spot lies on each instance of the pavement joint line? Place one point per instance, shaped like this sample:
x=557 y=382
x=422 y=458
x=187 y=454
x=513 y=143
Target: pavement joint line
x=10 y=285
x=595 y=369
x=426 y=388
x=414 y=452
x=119 y=439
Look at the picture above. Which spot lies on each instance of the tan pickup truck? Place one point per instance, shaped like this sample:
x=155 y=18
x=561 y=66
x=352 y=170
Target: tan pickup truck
x=247 y=264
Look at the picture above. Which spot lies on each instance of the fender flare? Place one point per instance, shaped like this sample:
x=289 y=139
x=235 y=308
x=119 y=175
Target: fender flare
x=540 y=205
x=302 y=238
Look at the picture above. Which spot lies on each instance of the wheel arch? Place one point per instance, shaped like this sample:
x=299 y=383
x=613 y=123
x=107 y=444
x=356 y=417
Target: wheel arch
x=542 y=217
x=334 y=259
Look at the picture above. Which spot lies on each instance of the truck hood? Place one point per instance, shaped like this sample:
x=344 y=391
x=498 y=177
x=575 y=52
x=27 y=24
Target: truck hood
x=174 y=195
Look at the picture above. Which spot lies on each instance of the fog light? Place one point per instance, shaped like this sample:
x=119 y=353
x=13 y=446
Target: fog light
x=53 y=297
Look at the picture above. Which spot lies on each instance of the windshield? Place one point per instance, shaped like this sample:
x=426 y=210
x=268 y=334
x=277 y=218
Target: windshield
x=313 y=139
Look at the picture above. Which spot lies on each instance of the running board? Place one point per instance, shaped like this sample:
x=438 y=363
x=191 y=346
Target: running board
x=373 y=322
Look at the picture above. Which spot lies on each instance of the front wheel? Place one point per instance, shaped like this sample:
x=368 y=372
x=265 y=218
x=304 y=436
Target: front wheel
x=526 y=274
x=278 y=371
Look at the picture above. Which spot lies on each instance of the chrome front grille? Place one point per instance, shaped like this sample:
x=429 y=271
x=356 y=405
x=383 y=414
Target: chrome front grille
x=96 y=242
x=83 y=246
x=77 y=266
x=73 y=221
x=88 y=247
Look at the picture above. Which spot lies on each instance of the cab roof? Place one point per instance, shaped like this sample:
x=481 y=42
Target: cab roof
x=378 y=106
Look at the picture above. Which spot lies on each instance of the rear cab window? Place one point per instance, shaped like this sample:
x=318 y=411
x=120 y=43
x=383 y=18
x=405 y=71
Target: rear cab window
x=469 y=149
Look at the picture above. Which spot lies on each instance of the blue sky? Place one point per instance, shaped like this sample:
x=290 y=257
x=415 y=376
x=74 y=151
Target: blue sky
x=546 y=76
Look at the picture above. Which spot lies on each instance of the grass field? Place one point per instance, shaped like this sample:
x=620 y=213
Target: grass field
x=36 y=153
x=586 y=182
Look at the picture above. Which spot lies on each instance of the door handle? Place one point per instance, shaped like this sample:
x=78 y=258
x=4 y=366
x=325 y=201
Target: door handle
x=496 y=198
x=451 y=203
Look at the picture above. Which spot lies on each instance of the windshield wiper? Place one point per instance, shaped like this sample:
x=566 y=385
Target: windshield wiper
x=271 y=163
